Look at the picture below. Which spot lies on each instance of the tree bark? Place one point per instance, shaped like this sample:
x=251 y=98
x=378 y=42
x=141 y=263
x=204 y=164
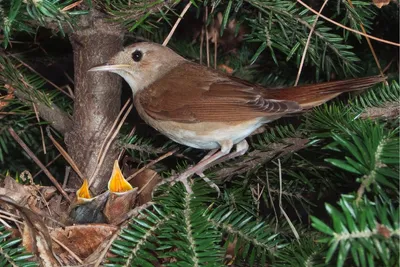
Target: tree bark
x=97 y=98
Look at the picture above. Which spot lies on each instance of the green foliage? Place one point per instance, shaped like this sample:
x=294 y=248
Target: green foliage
x=138 y=14
x=366 y=231
x=11 y=251
x=306 y=252
x=254 y=239
x=378 y=97
x=17 y=16
x=284 y=27
x=19 y=114
x=174 y=228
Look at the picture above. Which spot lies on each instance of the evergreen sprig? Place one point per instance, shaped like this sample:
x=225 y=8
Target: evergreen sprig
x=12 y=253
x=284 y=27
x=26 y=15
x=364 y=231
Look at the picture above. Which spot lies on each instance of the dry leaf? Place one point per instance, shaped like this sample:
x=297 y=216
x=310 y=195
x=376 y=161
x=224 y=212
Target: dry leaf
x=146 y=181
x=36 y=236
x=17 y=192
x=82 y=240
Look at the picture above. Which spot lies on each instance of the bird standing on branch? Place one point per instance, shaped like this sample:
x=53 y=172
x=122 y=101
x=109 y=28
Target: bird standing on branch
x=202 y=108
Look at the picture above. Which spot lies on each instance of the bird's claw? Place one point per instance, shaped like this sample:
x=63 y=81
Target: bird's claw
x=209 y=182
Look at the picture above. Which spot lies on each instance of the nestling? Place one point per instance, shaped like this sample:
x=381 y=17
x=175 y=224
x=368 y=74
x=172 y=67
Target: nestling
x=202 y=108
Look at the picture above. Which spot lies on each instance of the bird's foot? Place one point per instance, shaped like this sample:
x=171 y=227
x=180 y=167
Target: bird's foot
x=184 y=179
x=209 y=182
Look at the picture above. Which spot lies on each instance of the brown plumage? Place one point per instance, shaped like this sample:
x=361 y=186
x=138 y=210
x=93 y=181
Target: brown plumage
x=202 y=108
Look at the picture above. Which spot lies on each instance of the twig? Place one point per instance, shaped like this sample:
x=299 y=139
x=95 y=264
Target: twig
x=3 y=222
x=207 y=40
x=41 y=76
x=66 y=176
x=40 y=127
x=67 y=249
x=65 y=154
x=272 y=203
x=215 y=49
x=345 y=27
x=58 y=118
x=124 y=147
x=308 y=43
x=370 y=46
x=47 y=165
x=151 y=163
x=254 y=158
x=37 y=161
x=144 y=148
x=112 y=129
x=177 y=23
x=71 y=6
x=107 y=146
x=296 y=234
x=148 y=182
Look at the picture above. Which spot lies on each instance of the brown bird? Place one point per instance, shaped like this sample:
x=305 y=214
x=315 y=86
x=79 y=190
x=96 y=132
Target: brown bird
x=202 y=108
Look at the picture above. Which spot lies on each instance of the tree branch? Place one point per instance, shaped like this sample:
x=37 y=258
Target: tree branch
x=58 y=119
x=285 y=147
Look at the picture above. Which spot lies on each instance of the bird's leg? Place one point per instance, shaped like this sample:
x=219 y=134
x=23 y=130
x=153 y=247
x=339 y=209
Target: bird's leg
x=241 y=149
x=209 y=154
x=226 y=146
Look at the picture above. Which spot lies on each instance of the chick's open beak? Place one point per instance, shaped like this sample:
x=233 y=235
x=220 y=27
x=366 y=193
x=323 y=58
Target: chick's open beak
x=117 y=182
x=83 y=192
x=110 y=67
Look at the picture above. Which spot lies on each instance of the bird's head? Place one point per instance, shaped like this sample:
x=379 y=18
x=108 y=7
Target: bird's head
x=141 y=64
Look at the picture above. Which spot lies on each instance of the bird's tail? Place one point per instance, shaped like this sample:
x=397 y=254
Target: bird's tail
x=309 y=96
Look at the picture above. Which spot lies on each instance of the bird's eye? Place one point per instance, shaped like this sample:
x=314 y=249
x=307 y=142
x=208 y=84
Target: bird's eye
x=137 y=55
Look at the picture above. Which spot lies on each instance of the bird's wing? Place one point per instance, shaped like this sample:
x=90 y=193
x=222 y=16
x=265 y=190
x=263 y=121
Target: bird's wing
x=193 y=93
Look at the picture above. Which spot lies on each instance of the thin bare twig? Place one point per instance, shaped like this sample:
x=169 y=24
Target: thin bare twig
x=272 y=203
x=308 y=43
x=66 y=176
x=40 y=127
x=345 y=27
x=47 y=165
x=107 y=146
x=151 y=163
x=296 y=234
x=370 y=46
x=37 y=161
x=177 y=23
x=112 y=129
x=65 y=154
x=207 y=40
x=41 y=76
x=67 y=249
x=124 y=148
x=148 y=182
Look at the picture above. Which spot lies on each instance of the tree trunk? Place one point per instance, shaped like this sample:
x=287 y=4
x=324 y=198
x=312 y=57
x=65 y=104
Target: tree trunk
x=97 y=98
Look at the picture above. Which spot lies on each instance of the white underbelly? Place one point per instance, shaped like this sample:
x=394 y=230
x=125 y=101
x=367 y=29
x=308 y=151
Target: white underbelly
x=207 y=135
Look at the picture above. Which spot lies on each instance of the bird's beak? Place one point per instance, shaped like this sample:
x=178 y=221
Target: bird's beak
x=109 y=67
x=83 y=192
x=117 y=182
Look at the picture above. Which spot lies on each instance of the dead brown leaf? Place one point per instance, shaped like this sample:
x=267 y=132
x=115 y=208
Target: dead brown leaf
x=146 y=181
x=82 y=240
